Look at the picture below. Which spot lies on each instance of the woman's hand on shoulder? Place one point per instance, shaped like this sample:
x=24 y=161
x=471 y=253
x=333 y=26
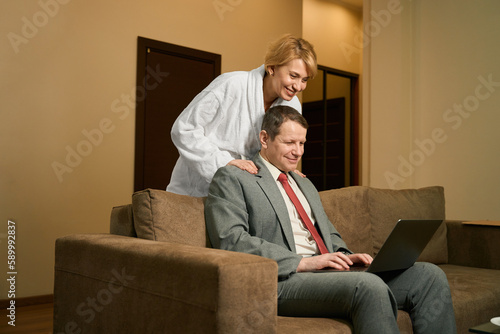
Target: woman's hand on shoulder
x=299 y=172
x=247 y=165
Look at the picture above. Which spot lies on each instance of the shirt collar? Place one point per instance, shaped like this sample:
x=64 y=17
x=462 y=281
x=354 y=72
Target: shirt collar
x=275 y=172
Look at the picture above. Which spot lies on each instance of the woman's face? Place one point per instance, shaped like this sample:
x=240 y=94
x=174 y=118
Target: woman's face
x=289 y=79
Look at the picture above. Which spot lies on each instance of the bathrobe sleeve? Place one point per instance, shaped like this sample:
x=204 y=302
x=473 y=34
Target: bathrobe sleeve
x=190 y=135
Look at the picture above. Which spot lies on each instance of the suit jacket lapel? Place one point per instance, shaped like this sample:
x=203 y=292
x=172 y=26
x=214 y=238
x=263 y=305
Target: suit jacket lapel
x=270 y=189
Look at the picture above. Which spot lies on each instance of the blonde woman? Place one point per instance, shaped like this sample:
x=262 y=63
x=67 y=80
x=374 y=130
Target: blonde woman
x=221 y=125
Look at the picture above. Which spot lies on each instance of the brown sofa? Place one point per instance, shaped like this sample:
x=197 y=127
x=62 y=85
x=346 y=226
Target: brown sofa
x=156 y=273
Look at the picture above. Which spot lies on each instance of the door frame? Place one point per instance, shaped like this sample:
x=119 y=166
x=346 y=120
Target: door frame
x=355 y=133
x=144 y=47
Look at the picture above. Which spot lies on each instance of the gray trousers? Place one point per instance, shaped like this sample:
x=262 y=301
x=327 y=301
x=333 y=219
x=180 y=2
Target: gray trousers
x=371 y=301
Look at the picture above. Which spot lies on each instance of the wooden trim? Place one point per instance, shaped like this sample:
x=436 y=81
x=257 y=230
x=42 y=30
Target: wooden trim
x=28 y=301
x=140 y=114
x=355 y=122
x=340 y=73
x=356 y=134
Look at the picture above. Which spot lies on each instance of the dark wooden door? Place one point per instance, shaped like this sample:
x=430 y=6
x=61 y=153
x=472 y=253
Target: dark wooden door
x=168 y=78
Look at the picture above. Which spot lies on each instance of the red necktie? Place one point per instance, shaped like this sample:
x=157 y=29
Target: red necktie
x=302 y=213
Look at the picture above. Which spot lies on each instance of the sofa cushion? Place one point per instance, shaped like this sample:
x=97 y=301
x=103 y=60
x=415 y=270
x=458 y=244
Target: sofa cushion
x=387 y=206
x=475 y=293
x=163 y=216
x=305 y=325
x=347 y=209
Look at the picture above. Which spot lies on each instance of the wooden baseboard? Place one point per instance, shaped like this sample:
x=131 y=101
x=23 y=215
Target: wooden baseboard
x=27 y=301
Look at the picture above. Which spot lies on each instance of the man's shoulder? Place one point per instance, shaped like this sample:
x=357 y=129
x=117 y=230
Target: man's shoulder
x=233 y=174
x=231 y=183
x=305 y=184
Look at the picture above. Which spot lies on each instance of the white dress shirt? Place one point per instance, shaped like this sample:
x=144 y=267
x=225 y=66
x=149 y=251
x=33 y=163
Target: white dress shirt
x=304 y=241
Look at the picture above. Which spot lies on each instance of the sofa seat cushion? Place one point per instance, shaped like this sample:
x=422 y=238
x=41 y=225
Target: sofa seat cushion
x=475 y=293
x=303 y=325
x=164 y=216
x=387 y=206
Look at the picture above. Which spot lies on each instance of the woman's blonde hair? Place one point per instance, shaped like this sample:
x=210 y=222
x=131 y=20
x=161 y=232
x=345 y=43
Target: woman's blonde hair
x=288 y=48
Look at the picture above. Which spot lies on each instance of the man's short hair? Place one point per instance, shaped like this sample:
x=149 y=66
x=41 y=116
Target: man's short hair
x=277 y=115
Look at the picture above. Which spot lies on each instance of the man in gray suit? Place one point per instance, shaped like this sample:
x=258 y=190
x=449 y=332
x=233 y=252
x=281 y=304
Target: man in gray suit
x=255 y=214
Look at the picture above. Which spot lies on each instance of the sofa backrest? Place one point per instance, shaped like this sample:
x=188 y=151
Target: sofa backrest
x=365 y=216
x=122 y=221
x=347 y=209
x=164 y=216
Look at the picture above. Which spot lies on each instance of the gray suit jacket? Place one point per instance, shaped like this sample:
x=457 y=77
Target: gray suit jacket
x=246 y=213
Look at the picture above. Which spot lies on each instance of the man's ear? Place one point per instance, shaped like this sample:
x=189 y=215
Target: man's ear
x=263 y=137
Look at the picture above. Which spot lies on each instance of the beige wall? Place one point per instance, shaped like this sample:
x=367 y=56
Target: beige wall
x=334 y=29
x=64 y=66
x=430 y=113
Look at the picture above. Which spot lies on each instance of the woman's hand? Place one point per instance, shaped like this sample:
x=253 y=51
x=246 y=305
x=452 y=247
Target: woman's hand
x=299 y=172
x=247 y=165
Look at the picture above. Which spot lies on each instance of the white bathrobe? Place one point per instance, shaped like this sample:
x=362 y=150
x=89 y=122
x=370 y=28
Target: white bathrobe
x=221 y=124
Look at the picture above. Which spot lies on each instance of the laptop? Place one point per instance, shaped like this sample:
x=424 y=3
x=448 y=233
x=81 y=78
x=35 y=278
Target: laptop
x=402 y=247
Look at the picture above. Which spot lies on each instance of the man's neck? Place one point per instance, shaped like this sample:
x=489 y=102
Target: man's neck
x=275 y=171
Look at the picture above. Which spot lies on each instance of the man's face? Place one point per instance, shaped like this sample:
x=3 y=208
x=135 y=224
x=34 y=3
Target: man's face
x=287 y=148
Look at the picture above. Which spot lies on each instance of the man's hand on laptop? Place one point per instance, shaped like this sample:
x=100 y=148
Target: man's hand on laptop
x=336 y=260
x=361 y=259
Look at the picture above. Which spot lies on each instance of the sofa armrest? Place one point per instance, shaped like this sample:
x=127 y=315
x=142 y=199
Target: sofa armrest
x=473 y=245
x=108 y=283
